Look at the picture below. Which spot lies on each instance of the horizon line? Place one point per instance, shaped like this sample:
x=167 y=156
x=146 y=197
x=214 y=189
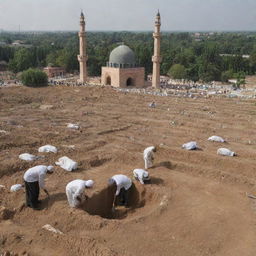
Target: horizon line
x=147 y=31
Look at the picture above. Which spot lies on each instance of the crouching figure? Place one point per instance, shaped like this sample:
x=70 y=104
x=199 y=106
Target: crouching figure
x=141 y=175
x=75 y=191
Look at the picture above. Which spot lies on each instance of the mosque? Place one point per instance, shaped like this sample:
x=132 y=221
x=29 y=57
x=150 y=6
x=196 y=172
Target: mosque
x=122 y=70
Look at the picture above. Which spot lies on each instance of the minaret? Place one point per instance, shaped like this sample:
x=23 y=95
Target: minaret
x=82 y=58
x=156 y=59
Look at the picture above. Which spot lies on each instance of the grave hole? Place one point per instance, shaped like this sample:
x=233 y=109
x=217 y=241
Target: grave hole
x=101 y=202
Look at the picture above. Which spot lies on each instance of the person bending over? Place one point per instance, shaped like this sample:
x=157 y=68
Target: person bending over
x=75 y=191
x=123 y=184
x=141 y=175
x=34 y=180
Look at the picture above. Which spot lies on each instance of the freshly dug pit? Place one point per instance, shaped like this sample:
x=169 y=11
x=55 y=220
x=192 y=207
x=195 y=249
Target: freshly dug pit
x=101 y=202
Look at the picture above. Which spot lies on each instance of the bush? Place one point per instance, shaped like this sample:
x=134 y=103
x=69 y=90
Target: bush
x=226 y=75
x=177 y=71
x=34 y=78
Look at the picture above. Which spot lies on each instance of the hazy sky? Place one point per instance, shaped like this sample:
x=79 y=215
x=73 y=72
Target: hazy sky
x=128 y=15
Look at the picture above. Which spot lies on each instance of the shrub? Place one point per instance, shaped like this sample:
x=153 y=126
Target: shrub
x=34 y=78
x=177 y=71
x=226 y=75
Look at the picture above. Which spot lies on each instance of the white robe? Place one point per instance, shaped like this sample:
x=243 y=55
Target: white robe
x=216 y=139
x=192 y=145
x=225 y=152
x=141 y=175
x=75 y=189
x=148 y=156
x=36 y=173
x=48 y=148
x=28 y=157
x=121 y=181
x=67 y=164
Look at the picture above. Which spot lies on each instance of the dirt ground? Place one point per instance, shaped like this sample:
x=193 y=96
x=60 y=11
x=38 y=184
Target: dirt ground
x=195 y=205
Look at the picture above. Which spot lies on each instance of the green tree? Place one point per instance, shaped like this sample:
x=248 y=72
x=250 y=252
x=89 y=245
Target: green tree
x=34 y=78
x=51 y=59
x=22 y=60
x=177 y=71
x=67 y=58
x=240 y=76
x=252 y=63
x=226 y=75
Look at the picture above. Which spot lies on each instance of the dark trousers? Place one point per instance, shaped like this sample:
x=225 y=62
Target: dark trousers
x=32 y=194
x=122 y=198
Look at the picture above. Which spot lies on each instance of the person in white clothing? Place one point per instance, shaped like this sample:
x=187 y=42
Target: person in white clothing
x=34 y=180
x=148 y=156
x=75 y=191
x=141 y=175
x=123 y=184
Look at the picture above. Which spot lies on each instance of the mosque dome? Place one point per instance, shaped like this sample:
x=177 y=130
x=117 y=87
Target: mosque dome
x=122 y=56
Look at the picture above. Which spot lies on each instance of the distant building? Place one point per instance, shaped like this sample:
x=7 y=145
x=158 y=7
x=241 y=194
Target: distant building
x=163 y=79
x=54 y=71
x=232 y=81
x=244 y=56
x=121 y=70
x=18 y=43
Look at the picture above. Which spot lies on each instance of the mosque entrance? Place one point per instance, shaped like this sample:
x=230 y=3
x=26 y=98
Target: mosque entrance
x=108 y=80
x=129 y=82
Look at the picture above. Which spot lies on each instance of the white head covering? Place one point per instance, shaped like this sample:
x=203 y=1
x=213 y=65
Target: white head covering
x=146 y=176
x=111 y=181
x=50 y=168
x=89 y=183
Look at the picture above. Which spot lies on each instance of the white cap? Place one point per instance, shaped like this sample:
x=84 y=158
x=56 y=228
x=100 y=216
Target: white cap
x=50 y=168
x=146 y=176
x=89 y=183
x=111 y=181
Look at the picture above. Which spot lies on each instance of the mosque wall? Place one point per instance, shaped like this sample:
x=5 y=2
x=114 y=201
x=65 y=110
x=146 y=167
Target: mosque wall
x=123 y=77
x=112 y=74
x=135 y=74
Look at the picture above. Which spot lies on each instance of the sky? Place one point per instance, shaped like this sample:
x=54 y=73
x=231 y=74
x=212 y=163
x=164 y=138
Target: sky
x=134 y=15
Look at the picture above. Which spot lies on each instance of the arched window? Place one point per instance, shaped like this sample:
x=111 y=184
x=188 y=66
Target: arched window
x=129 y=82
x=108 y=80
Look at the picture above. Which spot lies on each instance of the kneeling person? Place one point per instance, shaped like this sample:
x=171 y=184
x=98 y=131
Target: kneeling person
x=75 y=191
x=34 y=180
x=123 y=184
x=141 y=175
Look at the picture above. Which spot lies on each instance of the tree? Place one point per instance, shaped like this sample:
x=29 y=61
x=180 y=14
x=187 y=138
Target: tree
x=240 y=76
x=34 y=78
x=67 y=58
x=51 y=59
x=177 y=71
x=22 y=60
x=252 y=62
x=226 y=75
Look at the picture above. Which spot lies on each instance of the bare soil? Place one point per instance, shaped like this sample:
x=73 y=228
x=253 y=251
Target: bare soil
x=195 y=205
